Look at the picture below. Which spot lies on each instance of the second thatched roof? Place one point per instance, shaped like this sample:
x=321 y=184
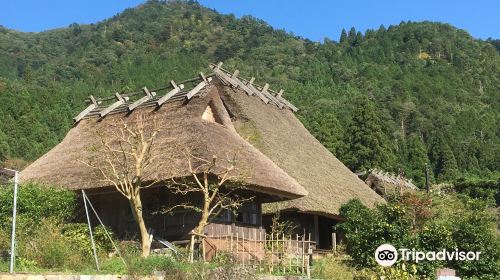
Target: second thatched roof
x=281 y=137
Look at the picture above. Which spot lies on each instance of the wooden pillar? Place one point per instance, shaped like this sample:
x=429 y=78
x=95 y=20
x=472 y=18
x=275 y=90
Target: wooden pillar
x=334 y=242
x=316 y=230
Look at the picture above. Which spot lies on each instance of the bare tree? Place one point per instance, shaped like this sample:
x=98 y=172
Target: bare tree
x=127 y=153
x=209 y=180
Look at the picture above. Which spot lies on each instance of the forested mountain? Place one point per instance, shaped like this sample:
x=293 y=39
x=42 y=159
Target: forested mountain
x=395 y=98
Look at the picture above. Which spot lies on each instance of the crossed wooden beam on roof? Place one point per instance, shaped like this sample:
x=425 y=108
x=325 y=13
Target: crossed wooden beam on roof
x=394 y=179
x=248 y=86
x=149 y=96
x=176 y=92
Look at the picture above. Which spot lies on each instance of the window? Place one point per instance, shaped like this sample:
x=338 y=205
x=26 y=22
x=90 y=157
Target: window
x=226 y=216
x=249 y=213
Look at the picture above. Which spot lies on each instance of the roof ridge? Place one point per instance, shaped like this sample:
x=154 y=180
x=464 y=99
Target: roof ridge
x=266 y=94
x=393 y=178
x=127 y=102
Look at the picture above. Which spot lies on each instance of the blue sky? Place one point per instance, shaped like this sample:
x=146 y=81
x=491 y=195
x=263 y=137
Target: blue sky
x=313 y=19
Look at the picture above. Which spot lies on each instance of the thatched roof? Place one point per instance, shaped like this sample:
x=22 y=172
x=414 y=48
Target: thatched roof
x=6 y=175
x=282 y=138
x=182 y=128
x=385 y=183
x=278 y=155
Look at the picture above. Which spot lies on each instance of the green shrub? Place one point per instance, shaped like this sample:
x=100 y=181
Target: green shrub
x=397 y=272
x=480 y=188
x=36 y=202
x=331 y=268
x=113 y=266
x=79 y=234
x=40 y=243
x=146 y=266
x=425 y=223
x=45 y=247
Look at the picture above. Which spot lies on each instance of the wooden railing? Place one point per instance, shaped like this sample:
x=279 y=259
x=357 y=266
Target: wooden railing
x=223 y=229
x=271 y=253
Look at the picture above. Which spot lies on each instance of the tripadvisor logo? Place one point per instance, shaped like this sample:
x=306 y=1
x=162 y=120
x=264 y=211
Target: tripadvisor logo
x=387 y=255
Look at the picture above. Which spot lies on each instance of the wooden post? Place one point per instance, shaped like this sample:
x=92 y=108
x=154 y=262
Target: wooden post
x=255 y=246
x=272 y=252
x=297 y=253
x=243 y=245
x=263 y=244
x=237 y=246
x=231 y=243
x=303 y=252
x=226 y=237
x=283 y=253
x=334 y=242
x=309 y=252
x=203 y=249
x=191 y=248
x=316 y=230
x=289 y=249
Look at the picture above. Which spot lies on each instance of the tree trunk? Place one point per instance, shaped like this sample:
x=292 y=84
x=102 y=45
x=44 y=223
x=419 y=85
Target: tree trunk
x=199 y=230
x=136 y=205
x=191 y=248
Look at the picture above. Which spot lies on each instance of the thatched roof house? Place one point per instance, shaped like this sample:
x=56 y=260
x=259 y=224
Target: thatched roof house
x=386 y=183
x=183 y=127
x=220 y=114
x=6 y=175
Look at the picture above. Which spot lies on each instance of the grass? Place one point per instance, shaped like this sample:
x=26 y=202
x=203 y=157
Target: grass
x=334 y=268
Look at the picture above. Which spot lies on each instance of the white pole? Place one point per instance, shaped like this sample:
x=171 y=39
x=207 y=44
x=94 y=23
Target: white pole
x=90 y=229
x=13 y=237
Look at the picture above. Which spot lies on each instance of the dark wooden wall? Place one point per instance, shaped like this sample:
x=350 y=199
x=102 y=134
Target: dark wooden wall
x=320 y=227
x=114 y=211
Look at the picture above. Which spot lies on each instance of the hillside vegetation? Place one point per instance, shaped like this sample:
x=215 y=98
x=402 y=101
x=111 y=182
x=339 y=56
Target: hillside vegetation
x=395 y=98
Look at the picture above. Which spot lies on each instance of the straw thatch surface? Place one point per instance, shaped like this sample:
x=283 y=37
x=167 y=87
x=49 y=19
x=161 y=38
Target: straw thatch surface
x=279 y=157
x=282 y=138
x=182 y=128
x=385 y=183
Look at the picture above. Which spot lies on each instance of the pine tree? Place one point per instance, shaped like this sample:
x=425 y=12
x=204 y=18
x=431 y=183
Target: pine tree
x=447 y=167
x=327 y=129
x=416 y=159
x=359 y=39
x=352 y=35
x=444 y=161
x=343 y=36
x=368 y=145
x=4 y=147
